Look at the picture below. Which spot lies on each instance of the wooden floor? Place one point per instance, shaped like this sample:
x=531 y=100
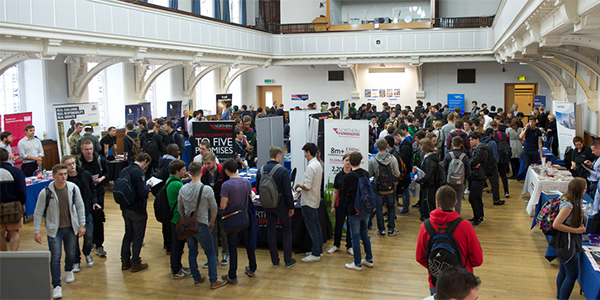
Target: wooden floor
x=514 y=266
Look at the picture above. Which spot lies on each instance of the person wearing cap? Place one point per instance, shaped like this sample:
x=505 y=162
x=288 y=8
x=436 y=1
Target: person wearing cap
x=89 y=136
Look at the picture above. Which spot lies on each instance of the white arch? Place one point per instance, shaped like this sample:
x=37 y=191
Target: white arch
x=154 y=75
x=236 y=75
x=10 y=61
x=87 y=77
x=202 y=73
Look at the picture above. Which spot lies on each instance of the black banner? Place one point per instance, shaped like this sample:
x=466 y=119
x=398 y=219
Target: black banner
x=220 y=134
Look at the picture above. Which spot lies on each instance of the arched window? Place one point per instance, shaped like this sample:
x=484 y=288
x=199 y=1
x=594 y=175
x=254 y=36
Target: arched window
x=10 y=101
x=97 y=93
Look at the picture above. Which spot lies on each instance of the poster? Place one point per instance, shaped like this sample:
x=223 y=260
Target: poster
x=67 y=115
x=220 y=134
x=341 y=137
x=389 y=93
x=374 y=93
x=381 y=93
x=565 y=125
x=15 y=124
x=367 y=93
x=455 y=100
x=539 y=100
x=222 y=101
x=396 y=92
x=136 y=111
x=300 y=97
x=174 y=111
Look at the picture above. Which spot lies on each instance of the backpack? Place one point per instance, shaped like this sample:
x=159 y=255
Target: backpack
x=504 y=150
x=417 y=158
x=490 y=165
x=162 y=210
x=135 y=147
x=385 y=179
x=267 y=188
x=365 y=199
x=440 y=179
x=456 y=170
x=159 y=173
x=151 y=147
x=48 y=194
x=442 y=249
x=123 y=190
x=440 y=141
x=546 y=216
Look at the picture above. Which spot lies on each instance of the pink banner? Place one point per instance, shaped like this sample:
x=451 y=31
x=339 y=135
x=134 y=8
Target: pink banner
x=15 y=124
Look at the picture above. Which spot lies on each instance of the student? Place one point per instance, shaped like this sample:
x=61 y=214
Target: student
x=499 y=136
x=456 y=283
x=61 y=229
x=109 y=142
x=358 y=223
x=310 y=191
x=455 y=153
x=187 y=200
x=464 y=234
x=129 y=138
x=74 y=137
x=174 y=137
x=593 y=166
x=516 y=147
x=12 y=189
x=30 y=151
x=89 y=136
x=379 y=162
x=532 y=147
x=492 y=166
x=203 y=148
x=479 y=157
x=405 y=152
x=214 y=176
x=428 y=181
x=152 y=144
x=339 y=209
x=474 y=110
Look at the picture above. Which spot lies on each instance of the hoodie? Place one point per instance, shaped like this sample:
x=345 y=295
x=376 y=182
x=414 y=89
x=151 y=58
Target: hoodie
x=384 y=159
x=87 y=188
x=465 y=237
x=188 y=198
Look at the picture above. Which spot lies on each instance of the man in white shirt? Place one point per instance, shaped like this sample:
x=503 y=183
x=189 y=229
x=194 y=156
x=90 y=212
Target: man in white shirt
x=487 y=118
x=6 y=138
x=198 y=114
x=203 y=148
x=31 y=151
x=310 y=190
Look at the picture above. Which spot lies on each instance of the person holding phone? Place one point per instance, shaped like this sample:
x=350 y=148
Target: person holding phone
x=532 y=144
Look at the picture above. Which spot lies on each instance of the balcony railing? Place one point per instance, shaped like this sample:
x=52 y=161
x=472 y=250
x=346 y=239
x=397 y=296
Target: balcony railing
x=467 y=22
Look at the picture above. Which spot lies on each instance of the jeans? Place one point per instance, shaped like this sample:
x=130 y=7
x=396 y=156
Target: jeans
x=530 y=157
x=204 y=238
x=389 y=201
x=341 y=216
x=592 y=189
x=274 y=214
x=135 y=229
x=460 y=193
x=567 y=274
x=232 y=240
x=502 y=170
x=87 y=239
x=515 y=163
x=67 y=237
x=495 y=184
x=311 y=220
x=475 y=198
x=218 y=231
x=405 y=200
x=359 y=231
x=99 y=217
x=176 y=250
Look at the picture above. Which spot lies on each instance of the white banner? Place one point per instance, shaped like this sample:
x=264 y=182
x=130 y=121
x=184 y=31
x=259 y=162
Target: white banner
x=565 y=125
x=67 y=115
x=341 y=137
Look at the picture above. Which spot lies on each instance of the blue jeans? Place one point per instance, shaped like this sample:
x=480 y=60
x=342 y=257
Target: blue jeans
x=176 y=250
x=405 y=200
x=204 y=237
x=530 y=157
x=359 y=231
x=232 y=241
x=311 y=219
x=135 y=229
x=88 y=238
x=567 y=274
x=389 y=201
x=67 y=237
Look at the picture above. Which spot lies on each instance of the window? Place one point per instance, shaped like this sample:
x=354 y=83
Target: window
x=9 y=91
x=234 y=11
x=465 y=76
x=205 y=92
x=164 y=3
x=207 y=9
x=97 y=93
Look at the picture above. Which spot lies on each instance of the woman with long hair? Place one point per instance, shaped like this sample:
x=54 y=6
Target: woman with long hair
x=516 y=146
x=570 y=222
x=514 y=109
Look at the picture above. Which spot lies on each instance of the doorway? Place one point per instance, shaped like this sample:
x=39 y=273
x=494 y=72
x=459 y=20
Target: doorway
x=522 y=94
x=267 y=94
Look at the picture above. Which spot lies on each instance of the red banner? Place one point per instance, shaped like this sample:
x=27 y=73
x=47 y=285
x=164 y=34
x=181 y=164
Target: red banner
x=15 y=124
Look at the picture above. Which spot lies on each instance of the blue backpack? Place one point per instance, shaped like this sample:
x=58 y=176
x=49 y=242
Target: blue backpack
x=365 y=199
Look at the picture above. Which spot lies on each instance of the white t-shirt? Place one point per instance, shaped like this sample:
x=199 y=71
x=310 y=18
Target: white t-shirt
x=487 y=122
x=198 y=159
x=313 y=176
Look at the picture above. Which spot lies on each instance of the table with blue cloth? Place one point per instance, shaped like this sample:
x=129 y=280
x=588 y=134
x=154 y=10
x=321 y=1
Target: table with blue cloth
x=549 y=158
x=187 y=155
x=589 y=279
x=33 y=190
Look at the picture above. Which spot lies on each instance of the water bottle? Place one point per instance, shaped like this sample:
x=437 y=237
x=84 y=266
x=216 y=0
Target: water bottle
x=44 y=174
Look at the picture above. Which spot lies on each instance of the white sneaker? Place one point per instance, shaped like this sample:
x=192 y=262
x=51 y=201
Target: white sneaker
x=76 y=268
x=350 y=251
x=311 y=258
x=57 y=293
x=352 y=266
x=332 y=249
x=89 y=260
x=310 y=253
x=69 y=277
x=366 y=263
x=467 y=191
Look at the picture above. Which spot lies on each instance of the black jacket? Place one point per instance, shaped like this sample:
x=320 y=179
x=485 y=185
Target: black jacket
x=220 y=177
x=87 y=188
x=406 y=154
x=159 y=142
x=138 y=181
x=95 y=168
x=174 y=137
x=128 y=145
x=349 y=185
x=479 y=156
x=283 y=182
x=429 y=166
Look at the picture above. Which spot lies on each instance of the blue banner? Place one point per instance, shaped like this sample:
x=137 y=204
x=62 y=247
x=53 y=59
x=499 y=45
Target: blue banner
x=134 y=112
x=539 y=100
x=455 y=100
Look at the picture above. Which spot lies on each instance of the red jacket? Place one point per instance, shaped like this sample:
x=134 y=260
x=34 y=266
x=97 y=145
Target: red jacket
x=464 y=235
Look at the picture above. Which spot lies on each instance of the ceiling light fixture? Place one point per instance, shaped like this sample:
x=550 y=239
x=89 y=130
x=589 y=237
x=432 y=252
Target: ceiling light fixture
x=522 y=63
x=548 y=56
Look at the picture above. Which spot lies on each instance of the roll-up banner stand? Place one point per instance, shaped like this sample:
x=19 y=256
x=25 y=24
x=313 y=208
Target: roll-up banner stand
x=174 y=111
x=135 y=112
x=271 y=134
x=67 y=115
x=220 y=134
x=222 y=101
x=455 y=100
x=341 y=137
x=565 y=125
x=298 y=119
x=15 y=124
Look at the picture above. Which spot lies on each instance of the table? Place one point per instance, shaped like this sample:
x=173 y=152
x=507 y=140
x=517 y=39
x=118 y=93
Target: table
x=187 y=155
x=33 y=190
x=549 y=158
x=114 y=168
x=534 y=186
x=589 y=279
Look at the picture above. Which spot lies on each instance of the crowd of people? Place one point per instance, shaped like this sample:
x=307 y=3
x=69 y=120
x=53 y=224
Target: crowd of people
x=431 y=152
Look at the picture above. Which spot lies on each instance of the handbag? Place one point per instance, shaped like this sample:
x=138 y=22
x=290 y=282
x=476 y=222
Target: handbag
x=11 y=212
x=235 y=220
x=187 y=225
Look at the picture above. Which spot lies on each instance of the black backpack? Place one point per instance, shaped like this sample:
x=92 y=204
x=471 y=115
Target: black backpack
x=267 y=188
x=385 y=179
x=442 y=249
x=151 y=147
x=162 y=209
x=123 y=190
x=490 y=164
x=160 y=174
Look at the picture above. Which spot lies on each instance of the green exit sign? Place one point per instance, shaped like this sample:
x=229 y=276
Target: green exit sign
x=269 y=80
x=522 y=78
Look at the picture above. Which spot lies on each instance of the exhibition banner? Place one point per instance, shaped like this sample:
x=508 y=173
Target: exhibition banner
x=15 y=124
x=300 y=97
x=455 y=100
x=539 y=100
x=341 y=137
x=135 y=112
x=565 y=125
x=174 y=111
x=220 y=134
x=222 y=101
x=67 y=115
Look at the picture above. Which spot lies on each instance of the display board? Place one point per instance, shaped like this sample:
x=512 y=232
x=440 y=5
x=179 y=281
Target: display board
x=220 y=134
x=341 y=137
x=136 y=111
x=455 y=100
x=174 y=111
x=15 y=124
x=271 y=134
x=222 y=101
x=539 y=100
x=67 y=115
x=565 y=125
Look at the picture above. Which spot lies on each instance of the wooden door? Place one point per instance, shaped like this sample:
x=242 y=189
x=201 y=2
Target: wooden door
x=509 y=96
x=522 y=94
x=268 y=94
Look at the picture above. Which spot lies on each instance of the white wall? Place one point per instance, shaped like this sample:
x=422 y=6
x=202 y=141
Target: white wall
x=300 y=11
x=468 y=8
x=55 y=73
x=115 y=95
x=440 y=79
x=406 y=82
x=33 y=94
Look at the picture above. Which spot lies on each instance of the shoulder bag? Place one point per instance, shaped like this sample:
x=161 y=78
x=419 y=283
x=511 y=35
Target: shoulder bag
x=187 y=225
